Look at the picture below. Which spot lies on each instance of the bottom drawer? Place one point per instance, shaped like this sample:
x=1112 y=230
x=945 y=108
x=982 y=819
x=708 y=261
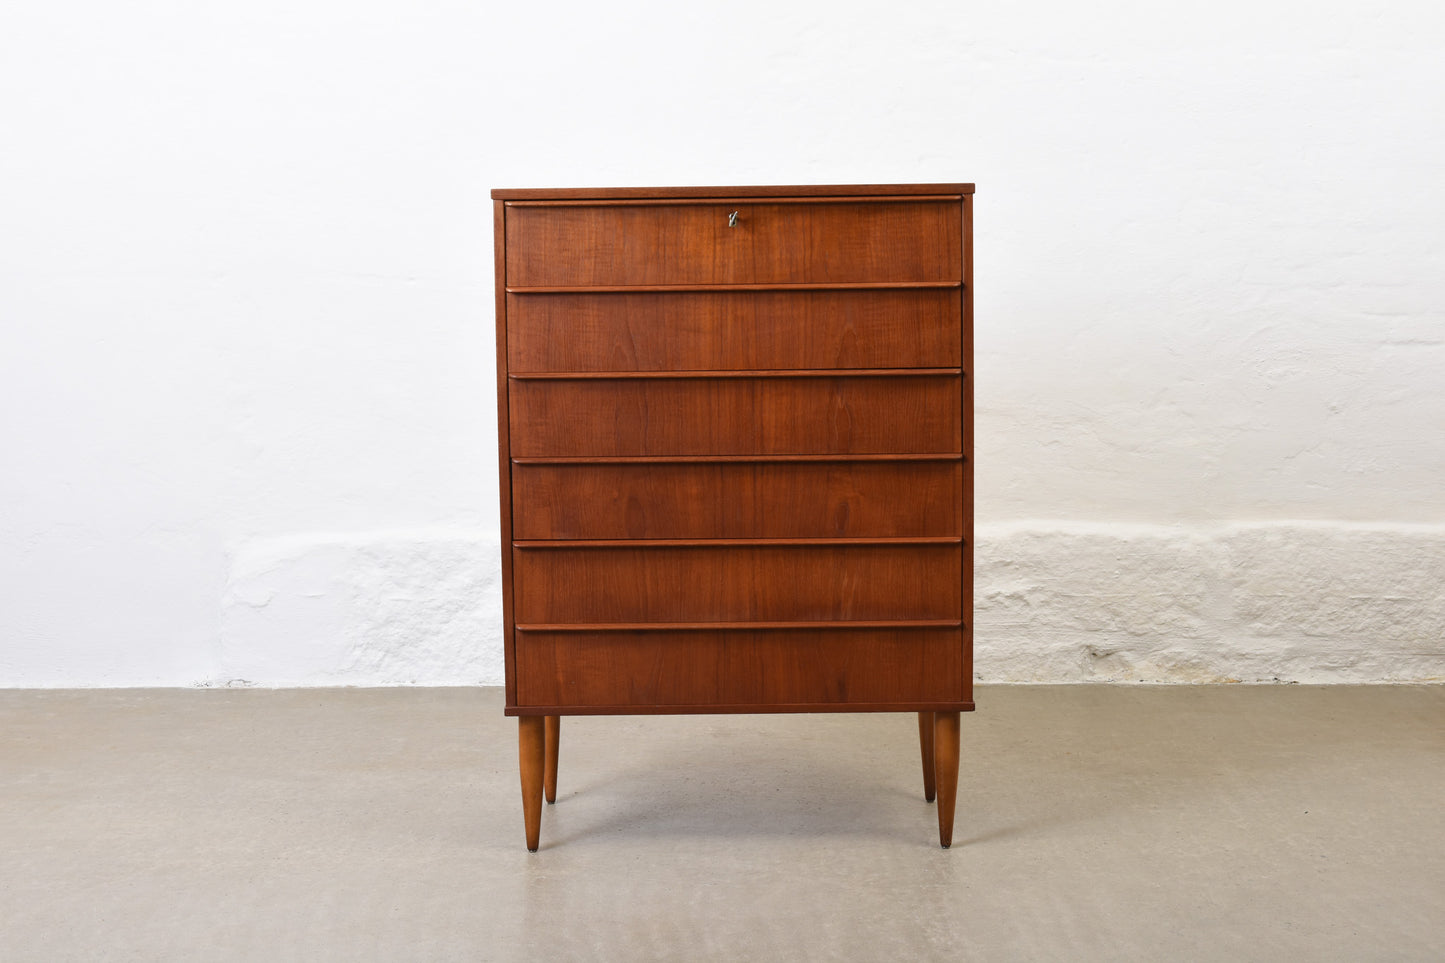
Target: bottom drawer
x=742 y=667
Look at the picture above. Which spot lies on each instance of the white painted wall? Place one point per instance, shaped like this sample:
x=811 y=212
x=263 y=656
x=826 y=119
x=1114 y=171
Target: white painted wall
x=246 y=414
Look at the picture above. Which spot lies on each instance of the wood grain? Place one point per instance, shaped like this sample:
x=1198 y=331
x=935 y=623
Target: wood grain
x=566 y=194
x=792 y=541
x=737 y=583
x=504 y=445
x=895 y=328
x=758 y=624
x=686 y=708
x=945 y=771
x=736 y=416
x=736 y=461
x=737 y=373
x=553 y=741
x=709 y=459
x=735 y=201
x=739 y=500
x=925 y=746
x=531 y=761
x=691 y=243
x=793 y=287
x=966 y=402
x=828 y=667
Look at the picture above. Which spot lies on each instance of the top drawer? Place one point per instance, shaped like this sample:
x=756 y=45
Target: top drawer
x=787 y=242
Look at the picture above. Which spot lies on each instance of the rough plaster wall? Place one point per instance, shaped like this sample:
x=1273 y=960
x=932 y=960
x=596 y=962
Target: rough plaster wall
x=1322 y=602
x=383 y=607
x=246 y=414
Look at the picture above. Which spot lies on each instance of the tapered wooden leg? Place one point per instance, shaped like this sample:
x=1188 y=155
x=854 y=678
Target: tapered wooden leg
x=530 y=751
x=945 y=769
x=925 y=744
x=554 y=737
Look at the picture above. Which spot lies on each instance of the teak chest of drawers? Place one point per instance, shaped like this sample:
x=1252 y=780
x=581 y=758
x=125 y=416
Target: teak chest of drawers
x=736 y=432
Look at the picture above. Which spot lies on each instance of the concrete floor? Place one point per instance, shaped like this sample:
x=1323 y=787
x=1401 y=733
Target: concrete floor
x=1095 y=823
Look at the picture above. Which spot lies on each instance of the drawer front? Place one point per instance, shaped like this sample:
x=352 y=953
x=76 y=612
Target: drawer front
x=739 y=330
x=880 y=499
x=741 y=667
x=736 y=416
x=737 y=583
x=772 y=243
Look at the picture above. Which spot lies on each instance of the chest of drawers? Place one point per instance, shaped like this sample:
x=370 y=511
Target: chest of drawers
x=736 y=458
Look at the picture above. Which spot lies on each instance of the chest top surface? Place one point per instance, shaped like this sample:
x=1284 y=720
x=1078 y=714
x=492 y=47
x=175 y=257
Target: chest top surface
x=686 y=193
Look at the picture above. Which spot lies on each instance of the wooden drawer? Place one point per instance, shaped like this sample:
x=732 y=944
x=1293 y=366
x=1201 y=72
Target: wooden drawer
x=777 y=499
x=620 y=582
x=711 y=330
x=756 y=668
x=736 y=416
x=621 y=243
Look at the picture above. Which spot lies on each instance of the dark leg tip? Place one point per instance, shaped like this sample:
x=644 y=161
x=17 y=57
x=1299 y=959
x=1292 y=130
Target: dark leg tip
x=530 y=850
x=944 y=845
x=928 y=797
